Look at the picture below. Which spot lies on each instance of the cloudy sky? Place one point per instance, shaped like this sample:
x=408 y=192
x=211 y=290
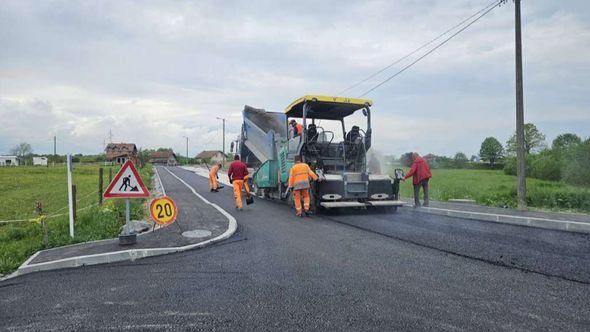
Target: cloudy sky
x=155 y=71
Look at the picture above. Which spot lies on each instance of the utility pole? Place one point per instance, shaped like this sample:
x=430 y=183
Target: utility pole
x=54 y=149
x=223 y=149
x=520 y=153
x=186 y=149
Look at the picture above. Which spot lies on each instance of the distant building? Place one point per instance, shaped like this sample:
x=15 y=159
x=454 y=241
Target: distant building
x=8 y=161
x=167 y=158
x=118 y=153
x=210 y=156
x=40 y=161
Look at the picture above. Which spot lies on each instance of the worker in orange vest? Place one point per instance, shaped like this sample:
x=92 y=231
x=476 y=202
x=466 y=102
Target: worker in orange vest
x=296 y=128
x=213 y=185
x=299 y=183
x=238 y=174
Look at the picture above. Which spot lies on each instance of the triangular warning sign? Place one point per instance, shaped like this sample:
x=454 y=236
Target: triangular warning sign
x=126 y=184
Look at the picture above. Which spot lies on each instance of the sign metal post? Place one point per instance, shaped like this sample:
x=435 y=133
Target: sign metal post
x=127 y=221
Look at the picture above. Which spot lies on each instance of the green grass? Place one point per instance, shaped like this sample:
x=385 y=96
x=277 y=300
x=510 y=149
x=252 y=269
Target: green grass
x=494 y=188
x=22 y=187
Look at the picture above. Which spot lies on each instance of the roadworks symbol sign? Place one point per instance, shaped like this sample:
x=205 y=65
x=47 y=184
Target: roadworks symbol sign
x=127 y=184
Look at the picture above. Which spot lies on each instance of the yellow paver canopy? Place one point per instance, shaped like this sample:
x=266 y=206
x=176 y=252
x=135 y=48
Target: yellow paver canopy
x=326 y=107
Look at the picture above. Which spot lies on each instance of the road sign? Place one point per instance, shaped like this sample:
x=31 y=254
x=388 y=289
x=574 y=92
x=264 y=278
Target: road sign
x=163 y=210
x=126 y=184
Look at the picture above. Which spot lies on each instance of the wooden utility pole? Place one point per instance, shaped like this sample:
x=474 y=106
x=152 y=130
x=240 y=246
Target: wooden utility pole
x=520 y=152
x=54 y=149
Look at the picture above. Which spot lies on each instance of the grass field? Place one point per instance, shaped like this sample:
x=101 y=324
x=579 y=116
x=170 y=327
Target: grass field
x=22 y=187
x=494 y=188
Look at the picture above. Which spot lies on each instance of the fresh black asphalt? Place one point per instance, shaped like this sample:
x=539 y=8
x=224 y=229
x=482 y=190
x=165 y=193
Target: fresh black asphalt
x=402 y=271
x=193 y=214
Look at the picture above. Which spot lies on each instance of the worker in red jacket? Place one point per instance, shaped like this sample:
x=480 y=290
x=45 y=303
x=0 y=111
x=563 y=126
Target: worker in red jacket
x=421 y=174
x=238 y=174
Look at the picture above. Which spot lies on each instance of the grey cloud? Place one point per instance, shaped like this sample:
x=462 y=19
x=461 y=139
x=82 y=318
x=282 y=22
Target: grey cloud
x=168 y=66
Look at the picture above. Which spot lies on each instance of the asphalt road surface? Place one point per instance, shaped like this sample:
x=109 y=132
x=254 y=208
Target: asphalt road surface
x=359 y=271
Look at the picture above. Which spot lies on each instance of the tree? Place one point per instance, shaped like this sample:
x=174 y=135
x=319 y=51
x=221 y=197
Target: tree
x=406 y=159
x=577 y=169
x=491 y=150
x=534 y=140
x=460 y=160
x=566 y=141
x=22 y=150
x=143 y=156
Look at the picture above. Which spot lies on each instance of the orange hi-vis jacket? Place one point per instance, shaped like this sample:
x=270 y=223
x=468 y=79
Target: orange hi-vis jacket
x=299 y=176
x=299 y=128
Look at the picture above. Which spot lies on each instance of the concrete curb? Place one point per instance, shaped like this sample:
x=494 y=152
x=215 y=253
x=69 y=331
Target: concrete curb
x=204 y=173
x=554 y=224
x=126 y=255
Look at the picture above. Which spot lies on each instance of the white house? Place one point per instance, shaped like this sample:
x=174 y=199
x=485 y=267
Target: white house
x=8 y=161
x=41 y=161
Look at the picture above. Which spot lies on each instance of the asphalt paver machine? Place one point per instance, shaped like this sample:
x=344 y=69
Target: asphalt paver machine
x=268 y=147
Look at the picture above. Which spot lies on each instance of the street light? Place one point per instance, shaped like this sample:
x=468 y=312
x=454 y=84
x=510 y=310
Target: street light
x=222 y=119
x=186 y=149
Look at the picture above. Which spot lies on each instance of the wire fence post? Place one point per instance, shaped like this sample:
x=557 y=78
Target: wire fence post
x=39 y=210
x=100 y=171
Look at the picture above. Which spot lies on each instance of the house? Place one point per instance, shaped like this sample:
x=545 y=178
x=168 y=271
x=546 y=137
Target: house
x=118 y=153
x=8 y=161
x=39 y=161
x=214 y=156
x=167 y=158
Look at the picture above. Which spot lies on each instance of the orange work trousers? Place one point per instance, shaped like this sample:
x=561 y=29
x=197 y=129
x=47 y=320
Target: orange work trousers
x=297 y=194
x=212 y=181
x=238 y=186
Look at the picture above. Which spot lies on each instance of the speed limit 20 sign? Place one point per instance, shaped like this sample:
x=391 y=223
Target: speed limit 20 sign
x=163 y=210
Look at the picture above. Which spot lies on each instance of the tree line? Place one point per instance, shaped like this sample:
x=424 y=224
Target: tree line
x=567 y=159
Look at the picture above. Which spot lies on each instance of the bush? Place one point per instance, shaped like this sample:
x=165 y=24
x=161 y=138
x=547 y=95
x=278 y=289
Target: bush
x=460 y=160
x=576 y=168
x=546 y=166
x=561 y=198
x=485 y=166
x=510 y=164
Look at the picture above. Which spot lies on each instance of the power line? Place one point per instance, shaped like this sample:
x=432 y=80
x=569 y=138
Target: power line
x=429 y=52
x=494 y=3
